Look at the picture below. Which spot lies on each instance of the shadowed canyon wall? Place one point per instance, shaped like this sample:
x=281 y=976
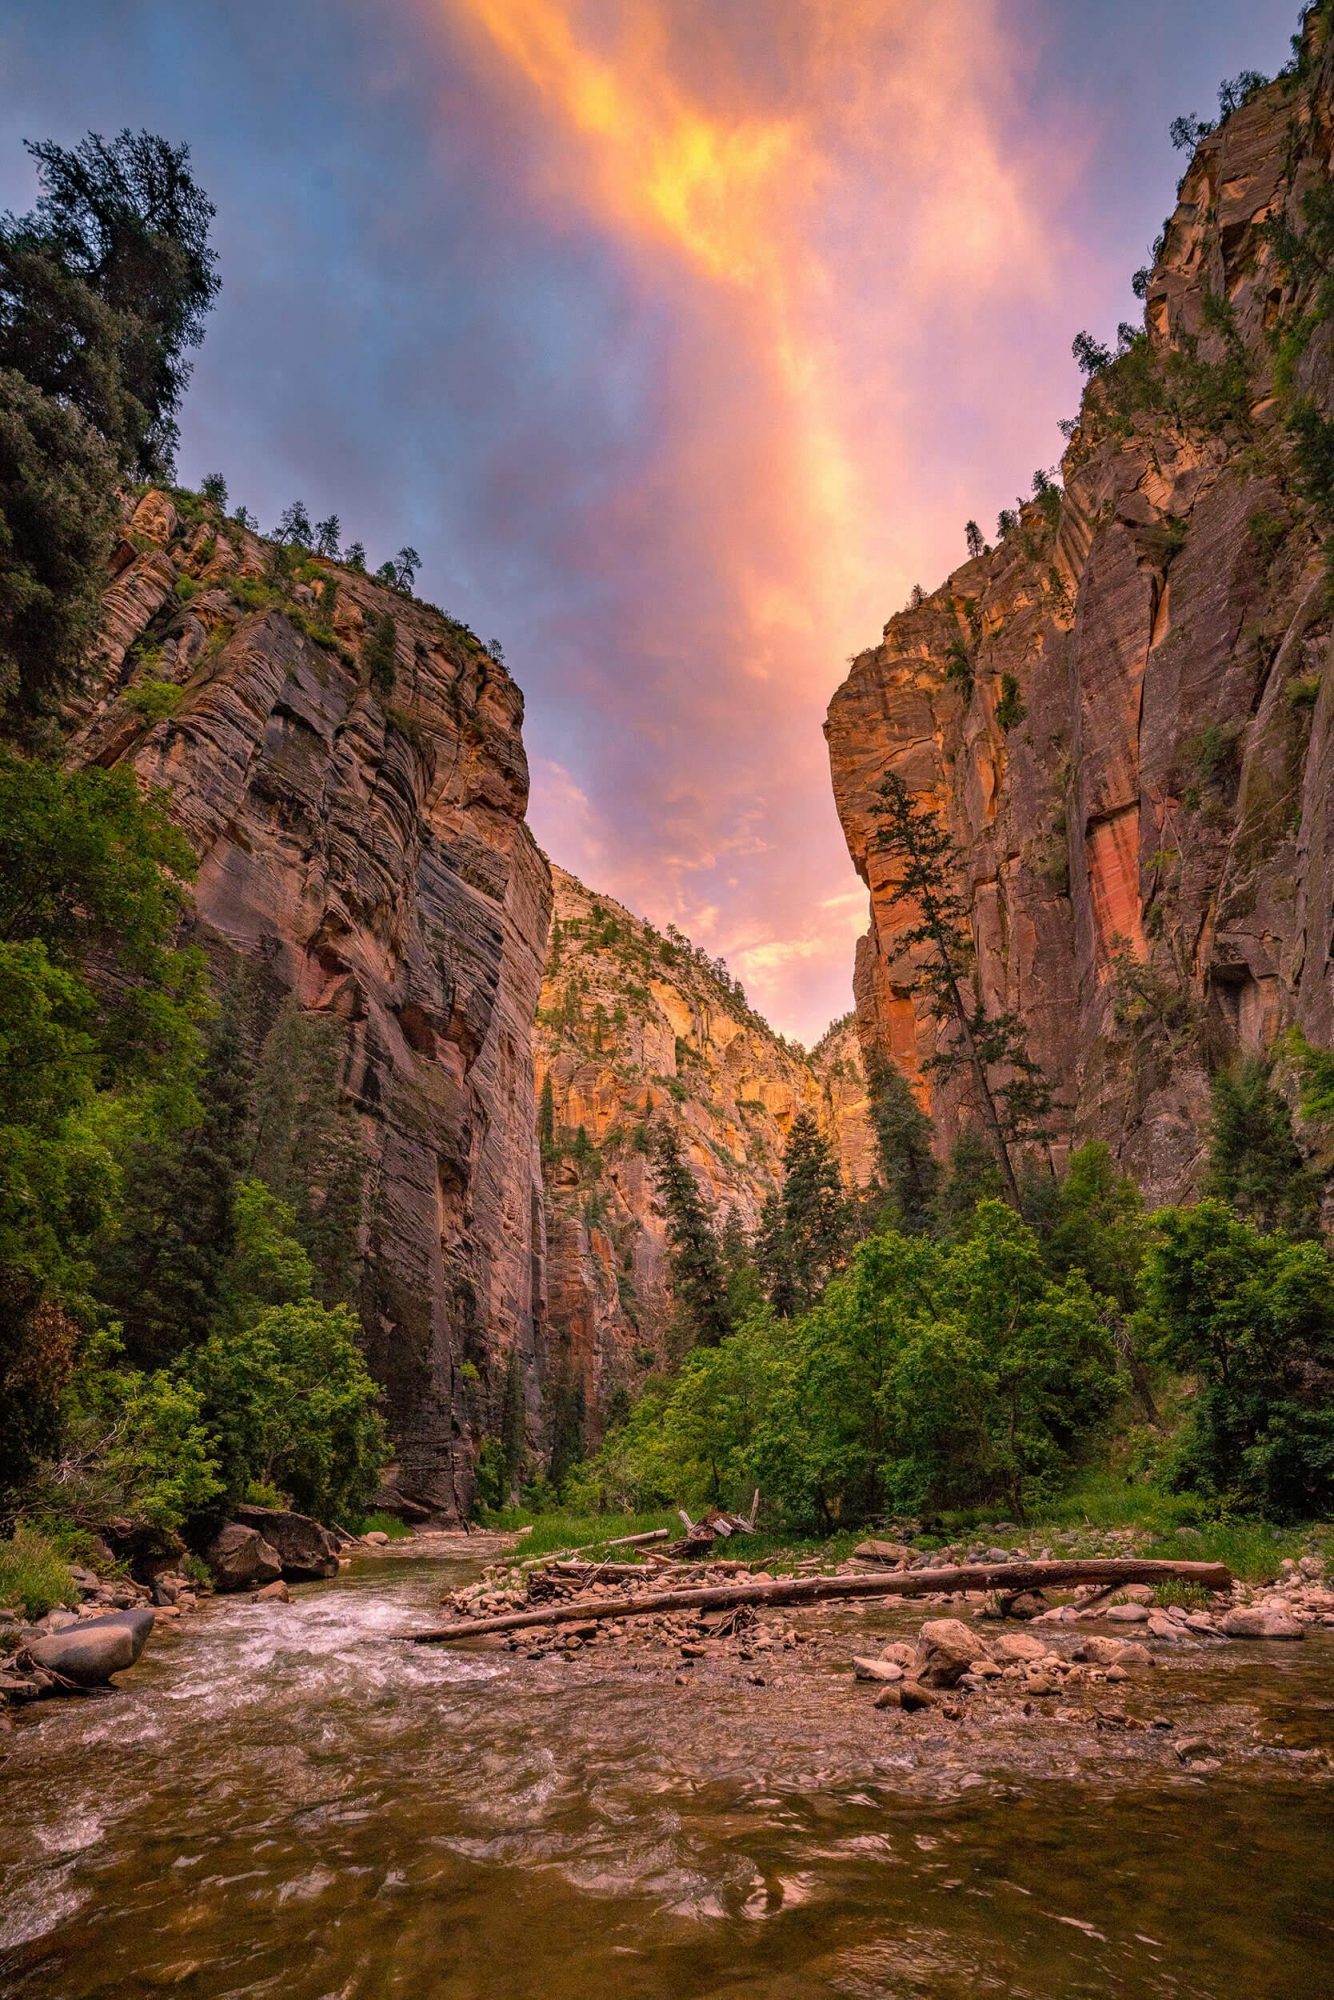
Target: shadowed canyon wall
x=355 y=792
x=1124 y=712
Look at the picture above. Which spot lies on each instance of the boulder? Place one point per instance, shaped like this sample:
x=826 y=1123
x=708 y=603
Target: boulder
x=1126 y=1614
x=1028 y=1604
x=375 y=1538
x=877 y=1670
x=900 y=1651
x=240 y=1558
x=911 y=1695
x=946 y=1650
x=1013 y=1647
x=306 y=1551
x=1262 y=1621
x=884 y=1552
x=1102 y=1652
x=90 y=1652
x=276 y=1593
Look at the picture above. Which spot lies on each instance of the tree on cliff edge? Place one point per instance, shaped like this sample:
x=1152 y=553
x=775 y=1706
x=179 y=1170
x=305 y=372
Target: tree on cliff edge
x=698 y=1279
x=1014 y=1108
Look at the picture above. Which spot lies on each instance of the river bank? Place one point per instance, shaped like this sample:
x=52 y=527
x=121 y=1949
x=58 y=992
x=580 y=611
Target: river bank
x=287 y=1797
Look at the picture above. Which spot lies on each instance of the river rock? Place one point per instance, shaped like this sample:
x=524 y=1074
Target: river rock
x=946 y=1650
x=1262 y=1621
x=375 y=1538
x=1098 y=1651
x=92 y=1651
x=1011 y=1648
x=877 y=1670
x=1028 y=1604
x=275 y=1593
x=240 y=1558
x=1126 y=1614
x=306 y=1551
x=900 y=1651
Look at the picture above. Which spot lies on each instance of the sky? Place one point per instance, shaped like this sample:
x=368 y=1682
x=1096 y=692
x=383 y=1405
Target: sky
x=681 y=338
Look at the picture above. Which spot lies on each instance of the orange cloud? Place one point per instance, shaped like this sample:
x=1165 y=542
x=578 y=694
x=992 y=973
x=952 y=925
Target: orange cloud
x=814 y=188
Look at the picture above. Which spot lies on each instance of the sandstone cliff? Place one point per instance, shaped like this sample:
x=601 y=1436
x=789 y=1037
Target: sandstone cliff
x=355 y=791
x=1124 y=711
x=637 y=1026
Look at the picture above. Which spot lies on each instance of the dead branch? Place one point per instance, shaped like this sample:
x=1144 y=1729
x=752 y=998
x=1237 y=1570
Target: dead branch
x=1008 y=1578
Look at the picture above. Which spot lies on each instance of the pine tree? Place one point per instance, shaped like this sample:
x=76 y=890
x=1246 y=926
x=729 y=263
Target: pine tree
x=1014 y=1109
x=163 y=1272
x=294 y=526
x=327 y=533
x=972 y=534
x=1255 y=1163
x=697 y=1269
x=806 y=1230
x=908 y=1167
x=546 y=1119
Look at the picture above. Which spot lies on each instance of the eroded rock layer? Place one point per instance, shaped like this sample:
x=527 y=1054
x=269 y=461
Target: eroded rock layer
x=355 y=792
x=638 y=1027
x=1124 y=711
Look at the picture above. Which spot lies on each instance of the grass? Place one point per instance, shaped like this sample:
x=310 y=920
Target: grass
x=34 y=1576
x=563 y=1530
x=1087 y=1513
x=384 y=1524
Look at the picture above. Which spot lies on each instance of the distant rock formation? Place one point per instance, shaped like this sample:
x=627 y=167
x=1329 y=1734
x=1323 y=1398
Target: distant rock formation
x=635 y=1027
x=1125 y=711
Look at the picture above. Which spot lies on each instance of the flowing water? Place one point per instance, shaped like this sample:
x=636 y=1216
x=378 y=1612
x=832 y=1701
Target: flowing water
x=286 y=1800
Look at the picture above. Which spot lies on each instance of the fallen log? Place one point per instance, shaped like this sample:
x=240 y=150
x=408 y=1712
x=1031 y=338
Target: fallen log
x=620 y=1542
x=981 y=1577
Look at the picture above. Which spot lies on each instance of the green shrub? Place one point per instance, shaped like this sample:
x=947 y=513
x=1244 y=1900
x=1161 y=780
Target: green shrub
x=34 y=1576
x=384 y=1524
x=930 y=1375
x=289 y=1401
x=1252 y=1317
x=185 y=589
x=135 y=1446
x=1010 y=710
x=154 y=700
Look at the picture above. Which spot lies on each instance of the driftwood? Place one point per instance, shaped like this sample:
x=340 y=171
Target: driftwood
x=620 y=1542
x=1010 y=1578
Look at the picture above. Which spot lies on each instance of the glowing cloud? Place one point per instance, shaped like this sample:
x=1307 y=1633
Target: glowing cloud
x=801 y=189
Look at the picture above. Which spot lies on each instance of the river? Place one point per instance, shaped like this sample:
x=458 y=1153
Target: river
x=286 y=1800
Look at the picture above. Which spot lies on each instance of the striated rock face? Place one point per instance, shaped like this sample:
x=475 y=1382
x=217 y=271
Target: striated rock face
x=1124 y=712
x=637 y=1027
x=365 y=874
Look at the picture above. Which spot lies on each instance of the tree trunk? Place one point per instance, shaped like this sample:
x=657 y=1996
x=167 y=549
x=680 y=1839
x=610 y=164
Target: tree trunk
x=1011 y=1578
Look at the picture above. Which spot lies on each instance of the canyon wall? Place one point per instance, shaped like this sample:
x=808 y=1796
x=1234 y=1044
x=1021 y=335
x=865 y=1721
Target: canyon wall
x=637 y=1027
x=355 y=791
x=1124 y=711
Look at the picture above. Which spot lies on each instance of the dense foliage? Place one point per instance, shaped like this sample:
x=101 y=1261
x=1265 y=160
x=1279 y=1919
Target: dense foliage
x=930 y=1375
x=103 y=288
x=173 y=1332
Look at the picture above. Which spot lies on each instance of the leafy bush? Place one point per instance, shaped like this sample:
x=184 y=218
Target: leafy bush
x=135 y=1445
x=1252 y=1316
x=929 y=1376
x=1010 y=710
x=153 y=700
x=289 y=1401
